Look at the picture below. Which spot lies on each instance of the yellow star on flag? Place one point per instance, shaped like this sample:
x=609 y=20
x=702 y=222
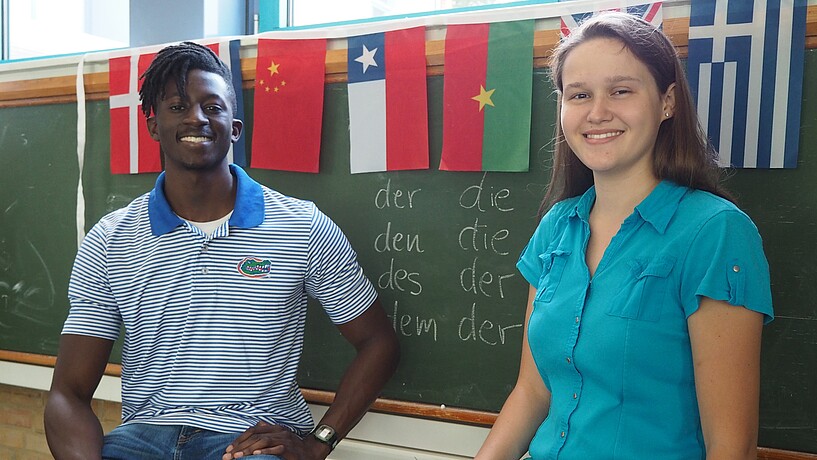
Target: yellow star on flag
x=273 y=68
x=484 y=97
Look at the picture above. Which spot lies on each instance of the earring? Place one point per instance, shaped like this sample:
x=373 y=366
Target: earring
x=666 y=114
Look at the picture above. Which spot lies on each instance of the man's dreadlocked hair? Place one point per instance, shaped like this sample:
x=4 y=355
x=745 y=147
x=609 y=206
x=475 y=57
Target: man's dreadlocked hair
x=174 y=62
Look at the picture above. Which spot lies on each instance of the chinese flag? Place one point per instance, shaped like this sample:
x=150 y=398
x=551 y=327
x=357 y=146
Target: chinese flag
x=288 y=109
x=133 y=151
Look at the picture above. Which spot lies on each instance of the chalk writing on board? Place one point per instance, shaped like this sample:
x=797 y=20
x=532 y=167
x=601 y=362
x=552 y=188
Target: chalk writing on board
x=477 y=280
x=479 y=237
x=22 y=298
x=480 y=277
x=400 y=279
x=397 y=198
x=392 y=240
x=409 y=325
x=477 y=197
x=475 y=327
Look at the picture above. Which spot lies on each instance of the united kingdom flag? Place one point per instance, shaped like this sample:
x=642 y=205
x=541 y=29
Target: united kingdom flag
x=650 y=12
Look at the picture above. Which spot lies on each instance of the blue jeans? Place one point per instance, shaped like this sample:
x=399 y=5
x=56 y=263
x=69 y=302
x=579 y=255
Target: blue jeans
x=142 y=441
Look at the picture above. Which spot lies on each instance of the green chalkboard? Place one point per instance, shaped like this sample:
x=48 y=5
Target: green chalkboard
x=441 y=246
x=38 y=189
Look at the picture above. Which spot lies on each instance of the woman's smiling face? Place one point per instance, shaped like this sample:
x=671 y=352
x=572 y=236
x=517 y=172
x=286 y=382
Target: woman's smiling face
x=611 y=108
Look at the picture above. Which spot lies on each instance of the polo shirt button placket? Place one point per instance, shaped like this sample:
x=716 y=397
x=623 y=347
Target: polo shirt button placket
x=204 y=247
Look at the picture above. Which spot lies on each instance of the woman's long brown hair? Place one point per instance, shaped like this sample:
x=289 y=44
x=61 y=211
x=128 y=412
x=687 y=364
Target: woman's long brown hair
x=682 y=152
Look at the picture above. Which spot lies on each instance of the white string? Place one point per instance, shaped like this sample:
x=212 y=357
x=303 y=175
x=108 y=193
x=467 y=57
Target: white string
x=80 y=149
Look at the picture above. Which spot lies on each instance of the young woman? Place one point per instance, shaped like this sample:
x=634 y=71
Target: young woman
x=649 y=288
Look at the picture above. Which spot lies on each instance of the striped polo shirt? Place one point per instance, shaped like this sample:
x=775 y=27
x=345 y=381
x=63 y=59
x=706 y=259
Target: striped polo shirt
x=213 y=325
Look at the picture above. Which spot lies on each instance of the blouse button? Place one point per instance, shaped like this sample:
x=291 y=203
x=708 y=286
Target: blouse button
x=577 y=320
x=563 y=434
x=568 y=360
x=575 y=396
x=736 y=268
x=204 y=270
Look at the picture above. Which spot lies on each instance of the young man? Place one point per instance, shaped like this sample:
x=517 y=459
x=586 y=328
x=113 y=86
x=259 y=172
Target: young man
x=209 y=274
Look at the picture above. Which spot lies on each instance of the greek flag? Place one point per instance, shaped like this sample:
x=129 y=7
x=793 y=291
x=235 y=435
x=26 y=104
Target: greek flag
x=745 y=67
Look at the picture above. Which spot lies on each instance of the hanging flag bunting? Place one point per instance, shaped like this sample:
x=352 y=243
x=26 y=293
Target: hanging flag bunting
x=229 y=53
x=289 y=84
x=133 y=151
x=388 y=109
x=650 y=12
x=487 y=96
x=746 y=70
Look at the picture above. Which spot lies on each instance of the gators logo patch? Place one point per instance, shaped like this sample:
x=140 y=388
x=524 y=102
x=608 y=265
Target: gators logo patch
x=253 y=267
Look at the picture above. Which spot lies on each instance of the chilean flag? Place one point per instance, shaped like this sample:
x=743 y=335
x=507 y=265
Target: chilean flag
x=388 y=109
x=133 y=151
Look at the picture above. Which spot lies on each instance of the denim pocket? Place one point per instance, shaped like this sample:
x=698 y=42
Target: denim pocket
x=644 y=293
x=553 y=266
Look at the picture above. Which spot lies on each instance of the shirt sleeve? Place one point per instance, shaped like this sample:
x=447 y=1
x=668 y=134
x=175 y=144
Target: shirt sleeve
x=94 y=310
x=530 y=263
x=726 y=262
x=334 y=276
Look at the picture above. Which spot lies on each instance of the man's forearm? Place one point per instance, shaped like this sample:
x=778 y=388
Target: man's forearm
x=360 y=386
x=375 y=362
x=72 y=429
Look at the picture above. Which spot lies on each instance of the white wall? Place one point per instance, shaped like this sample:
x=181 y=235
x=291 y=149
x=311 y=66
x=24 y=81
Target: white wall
x=377 y=437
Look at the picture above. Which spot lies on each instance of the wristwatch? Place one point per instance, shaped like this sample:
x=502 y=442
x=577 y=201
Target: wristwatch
x=326 y=434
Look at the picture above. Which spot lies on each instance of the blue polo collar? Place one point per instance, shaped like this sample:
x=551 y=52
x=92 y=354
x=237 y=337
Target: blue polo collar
x=657 y=208
x=660 y=205
x=585 y=204
x=248 y=211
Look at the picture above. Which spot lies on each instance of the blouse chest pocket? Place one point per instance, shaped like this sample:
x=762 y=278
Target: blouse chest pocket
x=645 y=290
x=553 y=266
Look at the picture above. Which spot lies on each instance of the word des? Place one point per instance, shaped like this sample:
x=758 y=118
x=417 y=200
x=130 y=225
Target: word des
x=400 y=280
x=482 y=282
x=397 y=198
x=485 y=331
x=476 y=196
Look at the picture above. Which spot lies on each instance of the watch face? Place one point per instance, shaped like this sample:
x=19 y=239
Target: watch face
x=324 y=433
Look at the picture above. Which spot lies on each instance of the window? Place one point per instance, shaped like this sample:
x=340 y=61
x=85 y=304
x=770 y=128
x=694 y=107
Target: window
x=310 y=12
x=36 y=28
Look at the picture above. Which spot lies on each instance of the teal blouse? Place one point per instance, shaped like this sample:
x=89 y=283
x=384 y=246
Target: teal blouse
x=614 y=349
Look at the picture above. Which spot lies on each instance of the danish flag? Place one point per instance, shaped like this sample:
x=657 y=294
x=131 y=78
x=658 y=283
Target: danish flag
x=133 y=151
